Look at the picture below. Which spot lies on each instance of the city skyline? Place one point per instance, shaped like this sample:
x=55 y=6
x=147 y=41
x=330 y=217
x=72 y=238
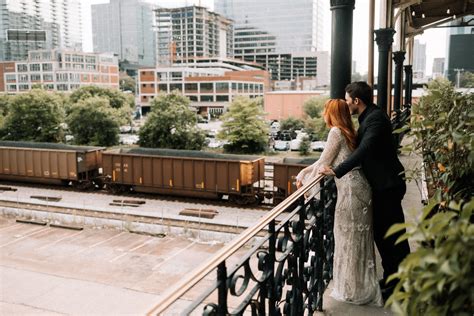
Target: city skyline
x=435 y=39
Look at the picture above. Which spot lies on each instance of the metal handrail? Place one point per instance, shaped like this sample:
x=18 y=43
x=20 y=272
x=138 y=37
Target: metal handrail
x=196 y=275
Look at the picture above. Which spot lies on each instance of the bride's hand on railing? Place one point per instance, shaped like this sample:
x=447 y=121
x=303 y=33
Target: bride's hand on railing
x=326 y=170
x=298 y=184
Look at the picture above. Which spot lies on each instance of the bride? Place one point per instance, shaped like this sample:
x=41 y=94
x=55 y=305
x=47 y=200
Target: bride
x=355 y=279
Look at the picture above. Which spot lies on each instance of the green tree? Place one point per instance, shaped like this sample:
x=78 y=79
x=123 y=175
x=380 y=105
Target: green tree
x=121 y=102
x=92 y=122
x=171 y=124
x=438 y=277
x=4 y=107
x=127 y=83
x=314 y=123
x=316 y=128
x=305 y=146
x=244 y=127
x=34 y=116
x=291 y=124
x=467 y=80
x=314 y=107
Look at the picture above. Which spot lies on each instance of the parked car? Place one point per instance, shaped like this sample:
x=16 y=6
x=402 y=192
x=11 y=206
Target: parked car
x=295 y=144
x=318 y=145
x=281 y=145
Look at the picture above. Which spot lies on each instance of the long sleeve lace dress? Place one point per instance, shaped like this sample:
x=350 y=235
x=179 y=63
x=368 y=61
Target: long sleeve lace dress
x=355 y=279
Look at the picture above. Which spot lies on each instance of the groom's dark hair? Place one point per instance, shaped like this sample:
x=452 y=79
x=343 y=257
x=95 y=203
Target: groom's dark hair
x=360 y=90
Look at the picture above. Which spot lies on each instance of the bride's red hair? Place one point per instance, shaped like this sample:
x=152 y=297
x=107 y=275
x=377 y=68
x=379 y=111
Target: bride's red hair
x=337 y=114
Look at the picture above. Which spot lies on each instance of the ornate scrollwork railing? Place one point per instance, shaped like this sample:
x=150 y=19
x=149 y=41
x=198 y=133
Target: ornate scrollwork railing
x=280 y=266
x=399 y=120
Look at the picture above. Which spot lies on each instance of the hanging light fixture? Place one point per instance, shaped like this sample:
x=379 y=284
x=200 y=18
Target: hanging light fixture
x=413 y=13
x=448 y=11
x=454 y=17
x=423 y=15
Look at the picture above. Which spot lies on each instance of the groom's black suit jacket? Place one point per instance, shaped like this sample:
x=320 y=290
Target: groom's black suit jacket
x=375 y=152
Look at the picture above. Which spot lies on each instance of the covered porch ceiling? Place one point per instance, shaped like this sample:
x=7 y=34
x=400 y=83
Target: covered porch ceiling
x=424 y=14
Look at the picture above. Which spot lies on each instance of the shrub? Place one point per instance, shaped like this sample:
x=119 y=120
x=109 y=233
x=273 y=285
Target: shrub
x=438 y=277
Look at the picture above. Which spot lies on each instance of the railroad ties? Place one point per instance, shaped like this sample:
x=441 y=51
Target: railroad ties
x=199 y=212
x=132 y=203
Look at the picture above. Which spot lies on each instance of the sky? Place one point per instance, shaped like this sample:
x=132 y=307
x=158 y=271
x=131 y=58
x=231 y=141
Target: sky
x=435 y=39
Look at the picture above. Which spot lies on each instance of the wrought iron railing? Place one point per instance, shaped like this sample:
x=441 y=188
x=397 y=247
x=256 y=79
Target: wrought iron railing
x=398 y=121
x=280 y=266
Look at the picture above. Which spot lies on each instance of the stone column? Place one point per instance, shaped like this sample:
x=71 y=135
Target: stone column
x=408 y=84
x=341 y=47
x=398 y=58
x=384 y=39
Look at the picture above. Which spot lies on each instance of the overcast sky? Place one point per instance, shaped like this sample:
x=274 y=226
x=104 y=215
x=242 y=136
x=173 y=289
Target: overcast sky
x=435 y=39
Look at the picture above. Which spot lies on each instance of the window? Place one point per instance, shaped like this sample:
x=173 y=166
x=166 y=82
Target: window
x=22 y=67
x=35 y=67
x=163 y=75
x=62 y=87
x=35 y=77
x=48 y=77
x=90 y=59
x=191 y=87
x=193 y=98
x=10 y=78
x=23 y=78
x=234 y=86
x=11 y=87
x=222 y=98
x=222 y=86
x=23 y=87
x=241 y=87
x=176 y=75
x=163 y=87
x=61 y=77
x=207 y=87
x=47 y=67
x=207 y=98
x=49 y=86
x=176 y=86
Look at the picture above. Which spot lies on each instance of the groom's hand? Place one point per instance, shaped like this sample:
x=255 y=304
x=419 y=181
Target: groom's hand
x=326 y=171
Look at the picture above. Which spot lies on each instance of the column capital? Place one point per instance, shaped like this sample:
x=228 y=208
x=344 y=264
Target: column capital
x=398 y=57
x=384 y=38
x=408 y=68
x=340 y=4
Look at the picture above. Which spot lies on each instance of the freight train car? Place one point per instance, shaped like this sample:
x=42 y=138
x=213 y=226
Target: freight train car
x=184 y=172
x=49 y=163
x=284 y=176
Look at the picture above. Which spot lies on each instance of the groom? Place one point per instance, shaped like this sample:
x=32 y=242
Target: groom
x=378 y=156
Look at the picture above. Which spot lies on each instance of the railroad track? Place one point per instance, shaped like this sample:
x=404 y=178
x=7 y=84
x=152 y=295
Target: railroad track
x=193 y=223
x=140 y=195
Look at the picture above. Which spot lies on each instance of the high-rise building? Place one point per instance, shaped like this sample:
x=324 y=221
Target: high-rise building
x=192 y=32
x=280 y=34
x=438 y=68
x=27 y=25
x=125 y=28
x=419 y=60
x=460 y=49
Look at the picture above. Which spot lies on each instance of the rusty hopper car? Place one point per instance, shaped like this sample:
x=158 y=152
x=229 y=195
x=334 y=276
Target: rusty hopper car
x=284 y=176
x=184 y=172
x=49 y=163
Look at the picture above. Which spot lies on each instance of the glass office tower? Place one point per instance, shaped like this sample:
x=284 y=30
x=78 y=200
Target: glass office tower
x=125 y=28
x=27 y=25
x=283 y=35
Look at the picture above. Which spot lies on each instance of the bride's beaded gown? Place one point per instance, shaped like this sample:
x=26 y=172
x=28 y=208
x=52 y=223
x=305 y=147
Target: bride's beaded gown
x=355 y=280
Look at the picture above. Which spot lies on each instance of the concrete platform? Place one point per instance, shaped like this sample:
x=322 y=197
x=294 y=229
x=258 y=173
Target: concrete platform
x=54 y=271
